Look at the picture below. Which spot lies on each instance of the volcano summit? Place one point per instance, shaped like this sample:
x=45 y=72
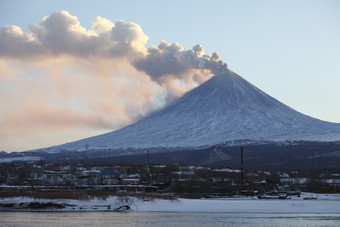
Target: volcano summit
x=210 y=122
x=226 y=108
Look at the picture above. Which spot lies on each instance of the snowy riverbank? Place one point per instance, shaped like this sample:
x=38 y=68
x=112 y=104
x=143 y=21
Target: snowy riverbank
x=325 y=203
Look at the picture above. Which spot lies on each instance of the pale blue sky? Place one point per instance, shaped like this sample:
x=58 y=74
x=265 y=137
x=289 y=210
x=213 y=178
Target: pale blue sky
x=289 y=49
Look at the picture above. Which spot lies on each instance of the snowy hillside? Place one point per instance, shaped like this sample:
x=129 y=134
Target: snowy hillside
x=224 y=109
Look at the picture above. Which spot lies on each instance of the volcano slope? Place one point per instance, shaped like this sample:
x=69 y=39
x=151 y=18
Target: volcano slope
x=208 y=125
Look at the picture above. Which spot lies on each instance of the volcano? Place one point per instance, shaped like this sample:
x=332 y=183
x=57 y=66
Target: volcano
x=224 y=112
x=226 y=108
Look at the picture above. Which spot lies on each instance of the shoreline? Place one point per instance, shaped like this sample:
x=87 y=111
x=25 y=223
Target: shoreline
x=325 y=204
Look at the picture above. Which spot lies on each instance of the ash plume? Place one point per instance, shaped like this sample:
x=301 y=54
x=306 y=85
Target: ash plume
x=103 y=77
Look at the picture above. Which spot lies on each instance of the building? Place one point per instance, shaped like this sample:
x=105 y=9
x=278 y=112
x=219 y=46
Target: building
x=110 y=177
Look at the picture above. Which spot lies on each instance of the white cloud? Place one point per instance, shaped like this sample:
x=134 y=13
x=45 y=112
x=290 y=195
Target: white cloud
x=62 y=76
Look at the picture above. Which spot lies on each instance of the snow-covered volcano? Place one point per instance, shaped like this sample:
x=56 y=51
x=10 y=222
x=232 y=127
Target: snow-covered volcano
x=226 y=108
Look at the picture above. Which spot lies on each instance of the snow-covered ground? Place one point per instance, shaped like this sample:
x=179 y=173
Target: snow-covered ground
x=325 y=203
x=242 y=206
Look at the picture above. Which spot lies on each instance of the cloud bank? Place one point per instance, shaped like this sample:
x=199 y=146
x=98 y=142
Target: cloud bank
x=60 y=76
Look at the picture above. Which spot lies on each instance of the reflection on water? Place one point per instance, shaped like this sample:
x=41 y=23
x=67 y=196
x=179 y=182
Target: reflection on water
x=164 y=219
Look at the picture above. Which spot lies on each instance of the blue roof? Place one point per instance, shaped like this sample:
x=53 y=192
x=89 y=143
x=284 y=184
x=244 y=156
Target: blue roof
x=110 y=172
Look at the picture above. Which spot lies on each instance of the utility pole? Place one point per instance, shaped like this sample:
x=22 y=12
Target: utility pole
x=148 y=166
x=242 y=166
x=86 y=155
x=148 y=163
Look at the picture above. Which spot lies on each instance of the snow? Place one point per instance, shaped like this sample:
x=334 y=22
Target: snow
x=23 y=158
x=109 y=204
x=294 y=180
x=227 y=170
x=226 y=108
x=334 y=154
x=159 y=166
x=241 y=206
x=325 y=204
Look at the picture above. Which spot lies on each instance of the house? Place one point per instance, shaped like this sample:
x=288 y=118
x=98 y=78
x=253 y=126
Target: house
x=54 y=177
x=110 y=177
x=132 y=179
x=183 y=175
x=89 y=177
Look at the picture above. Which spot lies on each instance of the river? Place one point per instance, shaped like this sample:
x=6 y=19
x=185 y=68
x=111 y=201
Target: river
x=164 y=219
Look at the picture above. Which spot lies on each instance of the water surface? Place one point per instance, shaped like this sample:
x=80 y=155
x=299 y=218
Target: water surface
x=164 y=219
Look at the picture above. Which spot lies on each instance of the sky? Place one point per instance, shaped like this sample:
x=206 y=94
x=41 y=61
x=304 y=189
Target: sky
x=75 y=69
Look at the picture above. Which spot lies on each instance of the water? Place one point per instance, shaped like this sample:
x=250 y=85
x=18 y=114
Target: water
x=164 y=219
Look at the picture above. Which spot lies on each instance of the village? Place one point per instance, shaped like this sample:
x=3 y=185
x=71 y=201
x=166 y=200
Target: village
x=171 y=179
